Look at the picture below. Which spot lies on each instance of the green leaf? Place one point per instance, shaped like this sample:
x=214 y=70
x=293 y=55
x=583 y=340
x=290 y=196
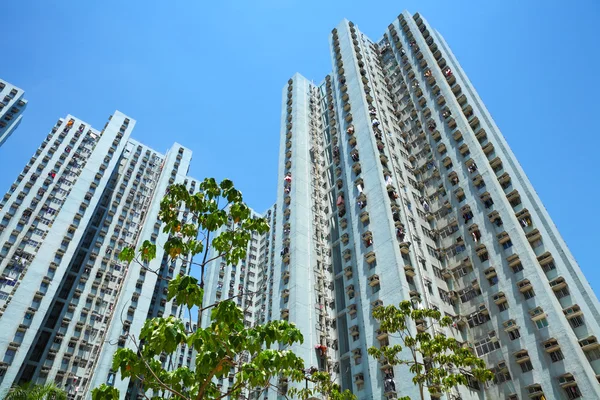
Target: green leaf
x=186 y=290
x=148 y=251
x=105 y=392
x=127 y=254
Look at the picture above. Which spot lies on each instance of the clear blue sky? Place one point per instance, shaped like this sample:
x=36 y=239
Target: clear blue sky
x=209 y=75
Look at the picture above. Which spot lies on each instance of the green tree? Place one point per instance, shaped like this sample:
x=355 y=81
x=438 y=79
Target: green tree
x=220 y=345
x=438 y=363
x=29 y=391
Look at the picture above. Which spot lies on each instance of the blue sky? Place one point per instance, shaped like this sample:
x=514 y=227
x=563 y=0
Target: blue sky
x=209 y=75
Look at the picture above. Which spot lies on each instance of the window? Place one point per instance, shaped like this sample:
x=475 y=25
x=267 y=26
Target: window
x=528 y=294
x=593 y=354
x=556 y=356
x=564 y=292
x=500 y=375
x=526 y=366
x=537 y=243
x=503 y=306
x=468 y=294
x=576 y=321
x=486 y=346
x=541 y=323
x=548 y=267
x=517 y=268
x=477 y=319
x=507 y=245
x=514 y=334
x=572 y=392
x=493 y=280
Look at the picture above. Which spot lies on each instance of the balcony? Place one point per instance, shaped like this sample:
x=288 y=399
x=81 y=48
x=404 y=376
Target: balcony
x=404 y=248
x=370 y=257
x=354 y=330
x=374 y=280
x=524 y=285
x=503 y=237
x=481 y=250
x=490 y=273
x=457 y=135
x=376 y=304
x=451 y=123
x=409 y=270
x=348 y=271
x=474 y=122
x=545 y=259
x=496 y=164
x=364 y=216
x=359 y=379
x=381 y=335
x=558 y=284
x=285 y=312
x=488 y=149
x=352 y=309
x=573 y=311
x=350 y=290
x=285 y=293
x=534 y=236
x=566 y=380
x=505 y=180
x=551 y=345
x=589 y=343
x=347 y=254
x=499 y=298
x=481 y=135
x=514 y=198
x=286 y=274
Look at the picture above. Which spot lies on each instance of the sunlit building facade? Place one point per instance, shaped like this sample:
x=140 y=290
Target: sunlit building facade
x=67 y=302
x=396 y=184
x=12 y=105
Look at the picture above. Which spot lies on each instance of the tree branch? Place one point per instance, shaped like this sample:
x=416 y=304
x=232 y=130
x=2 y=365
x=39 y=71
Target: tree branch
x=152 y=372
x=210 y=376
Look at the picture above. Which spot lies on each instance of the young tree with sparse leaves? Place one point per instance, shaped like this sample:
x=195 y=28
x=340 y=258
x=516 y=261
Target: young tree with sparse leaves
x=438 y=363
x=226 y=337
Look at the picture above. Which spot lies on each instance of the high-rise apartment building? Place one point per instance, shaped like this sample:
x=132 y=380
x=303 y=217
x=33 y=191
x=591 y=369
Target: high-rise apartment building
x=396 y=184
x=249 y=284
x=12 y=105
x=67 y=302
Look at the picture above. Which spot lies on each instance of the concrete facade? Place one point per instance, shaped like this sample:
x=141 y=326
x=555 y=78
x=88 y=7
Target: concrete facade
x=83 y=196
x=12 y=105
x=395 y=184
